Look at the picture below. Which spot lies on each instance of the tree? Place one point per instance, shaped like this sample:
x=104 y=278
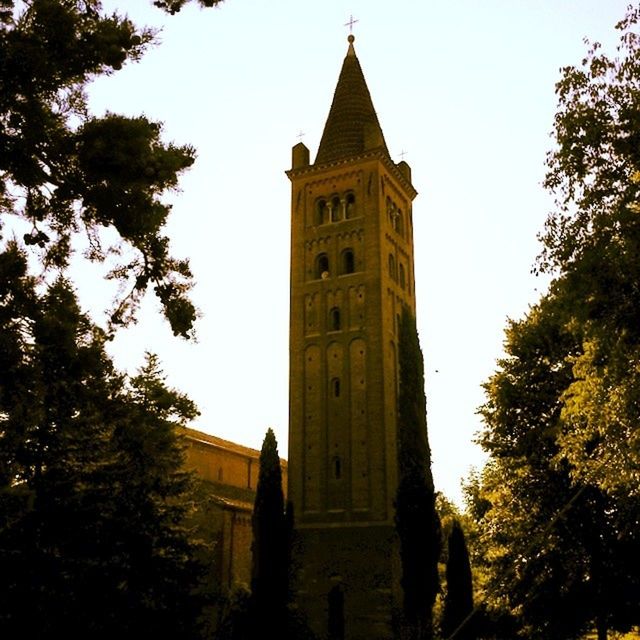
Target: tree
x=458 y=601
x=173 y=6
x=591 y=243
x=153 y=493
x=91 y=487
x=416 y=519
x=63 y=171
x=270 y=554
x=559 y=553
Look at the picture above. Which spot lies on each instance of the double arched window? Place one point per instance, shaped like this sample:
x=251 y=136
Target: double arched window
x=395 y=217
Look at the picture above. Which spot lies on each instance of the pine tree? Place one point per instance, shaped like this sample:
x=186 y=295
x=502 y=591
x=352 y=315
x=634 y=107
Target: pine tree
x=417 y=521
x=270 y=554
x=63 y=171
x=458 y=601
x=92 y=495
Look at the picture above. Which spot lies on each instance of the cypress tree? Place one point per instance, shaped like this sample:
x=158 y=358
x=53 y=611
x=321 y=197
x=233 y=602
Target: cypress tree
x=458 y=601
x=269 y=579
x=417 y=521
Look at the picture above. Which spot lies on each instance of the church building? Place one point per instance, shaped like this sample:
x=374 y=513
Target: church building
x=351 y=273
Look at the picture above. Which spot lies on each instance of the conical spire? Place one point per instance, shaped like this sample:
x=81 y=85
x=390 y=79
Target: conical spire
x=352 y=126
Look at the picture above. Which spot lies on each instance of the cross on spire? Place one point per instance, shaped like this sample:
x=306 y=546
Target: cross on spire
x=350 y=24
x=300 y=135
x=403 y=153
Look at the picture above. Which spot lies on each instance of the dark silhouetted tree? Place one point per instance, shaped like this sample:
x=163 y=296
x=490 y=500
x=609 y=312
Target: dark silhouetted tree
x=92 y=493
x=270 y=553
x=63 y=171
x=417 y=521
x=173 y=6
x=458 y=600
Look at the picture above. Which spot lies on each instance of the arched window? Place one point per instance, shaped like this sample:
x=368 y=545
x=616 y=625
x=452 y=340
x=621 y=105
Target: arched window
x=350 y=206
x=336 y=205
x=335 y=387
x=400 y=222
x=322 y=266
x=348 y=262
x=392 y=267
x=334 y=319
x=321 y=212
x=401 y=274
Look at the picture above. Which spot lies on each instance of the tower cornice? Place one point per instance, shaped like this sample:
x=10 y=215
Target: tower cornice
x=379 y=154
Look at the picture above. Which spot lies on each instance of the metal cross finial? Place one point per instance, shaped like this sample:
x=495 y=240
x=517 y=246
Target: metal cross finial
x=403 y=153
x=350 y=24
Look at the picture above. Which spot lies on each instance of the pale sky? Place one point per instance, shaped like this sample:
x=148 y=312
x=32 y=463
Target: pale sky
x=464 y=87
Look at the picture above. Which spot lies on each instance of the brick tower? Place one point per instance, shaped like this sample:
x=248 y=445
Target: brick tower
x=351 y=272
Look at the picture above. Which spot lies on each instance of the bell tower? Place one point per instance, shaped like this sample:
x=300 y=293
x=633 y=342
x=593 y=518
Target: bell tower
x=351 y=272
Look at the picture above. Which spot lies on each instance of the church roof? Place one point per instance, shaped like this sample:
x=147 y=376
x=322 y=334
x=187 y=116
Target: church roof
x=352 y=125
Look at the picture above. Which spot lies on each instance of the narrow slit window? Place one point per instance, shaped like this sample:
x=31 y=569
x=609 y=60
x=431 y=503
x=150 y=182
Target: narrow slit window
x=392 y=267
x=334 y=319
x=335 y=386
x=337 y=468
x=401 y=275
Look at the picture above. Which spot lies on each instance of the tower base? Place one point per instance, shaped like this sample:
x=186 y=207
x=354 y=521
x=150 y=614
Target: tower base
x=346 y=581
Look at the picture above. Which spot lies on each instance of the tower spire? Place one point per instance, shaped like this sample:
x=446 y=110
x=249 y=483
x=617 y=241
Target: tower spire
x=352 y=126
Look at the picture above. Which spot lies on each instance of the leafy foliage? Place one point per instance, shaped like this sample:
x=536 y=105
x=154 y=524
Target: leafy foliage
x=63 y=172
x=92 y=491
x=592 y=241
x=559 y=502
x=416 y=519
x=559 y=554
x=173 y=6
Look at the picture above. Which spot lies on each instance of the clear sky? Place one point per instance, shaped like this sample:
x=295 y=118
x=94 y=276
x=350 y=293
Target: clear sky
x=464 y=87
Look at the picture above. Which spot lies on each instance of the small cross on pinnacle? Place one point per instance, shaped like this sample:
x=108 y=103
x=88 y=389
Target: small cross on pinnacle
x=300 y=135
x=350 y=24
x=403 y=153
